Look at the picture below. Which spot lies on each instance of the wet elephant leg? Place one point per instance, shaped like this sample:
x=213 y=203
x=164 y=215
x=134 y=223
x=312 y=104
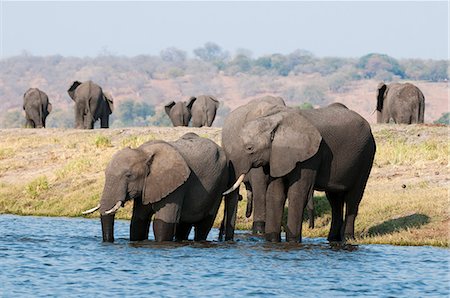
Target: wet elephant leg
x=259 y=181
x=140 y=221
x=336 y=200
x=203 y=227
x=167 y=215
x=275 y=200
x=182 y=231
x=310 y=208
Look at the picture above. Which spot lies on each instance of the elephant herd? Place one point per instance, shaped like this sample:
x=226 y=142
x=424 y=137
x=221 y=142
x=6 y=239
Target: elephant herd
x=280 y=153
x=92 y=104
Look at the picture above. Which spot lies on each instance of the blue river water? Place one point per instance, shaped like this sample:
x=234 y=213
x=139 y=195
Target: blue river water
x=65 y=257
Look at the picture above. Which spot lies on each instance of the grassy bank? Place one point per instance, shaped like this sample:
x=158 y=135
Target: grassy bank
x=59 y=172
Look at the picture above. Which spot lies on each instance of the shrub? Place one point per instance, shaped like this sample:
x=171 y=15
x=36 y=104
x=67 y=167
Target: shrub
x=37 y=186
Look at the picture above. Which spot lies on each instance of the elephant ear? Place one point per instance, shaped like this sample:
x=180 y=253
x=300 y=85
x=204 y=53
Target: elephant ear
x=166 y=171
x=295 y=140
x=191 y=102
x=109 y=100
x=72 y=88
x=168 y=107
x=380 y=96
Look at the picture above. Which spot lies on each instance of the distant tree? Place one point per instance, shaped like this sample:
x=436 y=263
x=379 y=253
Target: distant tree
x=212 y=53
x=12 y=119
x=160 y=119
x=173 y=55
x=374 y=63
x=61 y=118
x=444 y=119
x=131 y=113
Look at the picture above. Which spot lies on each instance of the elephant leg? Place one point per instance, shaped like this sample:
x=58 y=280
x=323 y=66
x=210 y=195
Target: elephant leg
x=140 y=221
x=88 y=121
x=300 y=190
x=231 y=204
x=29 y=124
x=167 y=215
x=104 y=121
x=210 y=115
x=203 y=227
x=336 y=200
x=310 y=208
x=182 y=231
x=259 y=181
x=79 y=116
x=249 y=209
x=352 y=200
x=275 y=200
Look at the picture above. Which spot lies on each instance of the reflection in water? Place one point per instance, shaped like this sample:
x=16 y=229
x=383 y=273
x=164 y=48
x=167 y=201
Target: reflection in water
x=43 y=256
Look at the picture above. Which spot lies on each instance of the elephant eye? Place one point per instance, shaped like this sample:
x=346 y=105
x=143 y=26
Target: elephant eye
x=249 y=148
x=128 y=175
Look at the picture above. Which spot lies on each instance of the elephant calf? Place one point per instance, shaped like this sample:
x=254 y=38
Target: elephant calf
x=37 y=107
x=180 y=182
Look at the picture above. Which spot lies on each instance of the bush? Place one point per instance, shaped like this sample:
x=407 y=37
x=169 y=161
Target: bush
x=444 y=119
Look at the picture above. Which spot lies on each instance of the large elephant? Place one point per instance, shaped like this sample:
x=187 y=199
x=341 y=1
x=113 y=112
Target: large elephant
x=203 y=109
x=37 y=107
x=329 y=149
x=256 y=180
x=178 y=113
x=91 y=104
x=180 y=182
x=403 y=103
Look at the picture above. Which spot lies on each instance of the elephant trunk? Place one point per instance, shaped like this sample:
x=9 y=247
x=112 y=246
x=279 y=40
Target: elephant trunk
x=107 y=227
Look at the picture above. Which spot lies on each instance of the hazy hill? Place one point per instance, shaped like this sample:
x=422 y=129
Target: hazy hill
x=298 y=77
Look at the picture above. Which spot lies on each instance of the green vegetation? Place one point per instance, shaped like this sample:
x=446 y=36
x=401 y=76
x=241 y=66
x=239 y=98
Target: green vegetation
x=444 y=119
x=56 y=172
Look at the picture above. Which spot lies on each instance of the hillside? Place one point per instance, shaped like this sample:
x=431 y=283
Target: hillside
x=60 y=172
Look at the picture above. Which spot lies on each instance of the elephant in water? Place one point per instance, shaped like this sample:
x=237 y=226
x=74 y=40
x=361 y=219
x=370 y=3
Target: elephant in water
x=203 y=109
x=179 y=182
x=403 y=103
x=329 y=149
x=37 y=107
x=256 y=180
x=178 y=113
x=91 y=104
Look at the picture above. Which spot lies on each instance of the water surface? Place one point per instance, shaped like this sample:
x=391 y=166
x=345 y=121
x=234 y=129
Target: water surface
x=42 y=256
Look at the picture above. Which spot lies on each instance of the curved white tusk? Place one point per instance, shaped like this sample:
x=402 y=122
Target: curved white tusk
x=115 y=208
x=236 y=185
x=91 y=210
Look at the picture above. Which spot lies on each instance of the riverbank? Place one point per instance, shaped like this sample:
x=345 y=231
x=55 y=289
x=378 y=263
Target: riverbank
x=60 y=172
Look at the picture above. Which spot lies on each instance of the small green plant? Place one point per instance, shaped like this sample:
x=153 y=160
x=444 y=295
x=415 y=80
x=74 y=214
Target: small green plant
x=37 y=186
x=102 y=142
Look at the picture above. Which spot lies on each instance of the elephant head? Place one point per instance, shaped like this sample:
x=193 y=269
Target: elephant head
x=380 y=99
x=280 y=141
x=148 y=173
x=72 y=89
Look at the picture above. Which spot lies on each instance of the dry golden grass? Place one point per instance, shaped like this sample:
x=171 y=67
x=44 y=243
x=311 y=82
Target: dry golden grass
x=60 y=172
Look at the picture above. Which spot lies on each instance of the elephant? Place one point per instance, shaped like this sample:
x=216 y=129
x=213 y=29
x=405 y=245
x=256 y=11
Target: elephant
x=329 y=149
x=37 y=107
x=91 y=104
x=178 y=113
x=256 y=180
x=203 y=109
x=403 y=103
x=179 y=182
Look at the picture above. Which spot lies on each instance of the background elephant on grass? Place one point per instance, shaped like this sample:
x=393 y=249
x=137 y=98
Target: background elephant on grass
x=37 y=107
x=91 y=104
x=180 y=182
x=329 y=149
x=257 y=179
x=178 y=113
x=203 y=109
x=403 y=103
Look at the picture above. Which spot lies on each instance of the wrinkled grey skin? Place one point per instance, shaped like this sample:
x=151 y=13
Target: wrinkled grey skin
x=91 y=104
x=203 y=109
x=180 y=182
x=329 y=149
x=37 y=107
x=403 y=103
x=178 y=113
x=256 y=180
